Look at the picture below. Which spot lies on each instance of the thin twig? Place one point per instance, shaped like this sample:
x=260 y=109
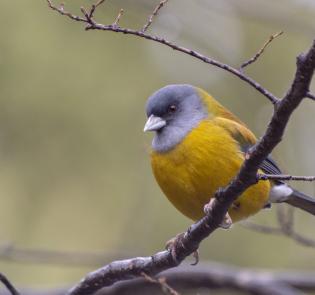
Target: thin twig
x=301 y=239
x=99 y=2
x=310 y=95
x=260 y=51
x=153 y=15
x=116 y=21
x=286 y=222
x=66 y=13
x=166 y=289
x=286 y=227
x=285 y=217
x=93 y=8
x=284 y=177
x=8 y=285
x=85 y=13
x=92 y=25
x=10 y=252
x=261 y=228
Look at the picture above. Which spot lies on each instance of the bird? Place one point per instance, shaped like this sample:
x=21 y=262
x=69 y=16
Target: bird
x=199 y=147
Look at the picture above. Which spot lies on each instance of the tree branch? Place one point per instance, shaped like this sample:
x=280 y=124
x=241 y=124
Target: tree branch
x=166 y=288
x=219 y=276
x=189 y=242
x=153 y=15
x=92 y=25
x=211 y=276
x=260 y=51
x=265 y=229
x=284 y=177
x=4 y=280
x=10 y=252
x=285 y=227
x=118 y=17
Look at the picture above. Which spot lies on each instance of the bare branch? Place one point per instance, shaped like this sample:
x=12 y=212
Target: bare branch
x=10 y=252
x=260 y=51
x=219 y=276
x=286 y=222
x=211 y=276
x=87 y=14
x=154 y=14
x=63 y=12
x=284 y=177
x=285 y=216
x=301 y=239
x=261 y=228
x=93 y=7
x=92 y=25
x=116 y=22
x=162 y=283
x=286 y=227
x=4 y=280
x=188 y=242
x=99 y=2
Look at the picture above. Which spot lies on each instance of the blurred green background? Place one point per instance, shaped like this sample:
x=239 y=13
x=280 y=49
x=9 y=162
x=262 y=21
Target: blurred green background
x=75 y=173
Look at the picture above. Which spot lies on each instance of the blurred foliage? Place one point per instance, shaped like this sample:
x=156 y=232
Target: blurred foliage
x=75 y=172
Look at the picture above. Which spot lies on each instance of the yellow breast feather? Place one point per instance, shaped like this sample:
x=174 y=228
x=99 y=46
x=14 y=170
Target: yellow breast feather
x=208 y=158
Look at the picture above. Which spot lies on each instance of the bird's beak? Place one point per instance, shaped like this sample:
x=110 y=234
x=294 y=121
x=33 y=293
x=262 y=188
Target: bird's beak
x=154 y=123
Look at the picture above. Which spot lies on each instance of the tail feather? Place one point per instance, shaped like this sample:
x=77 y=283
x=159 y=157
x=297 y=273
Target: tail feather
x=302 y=201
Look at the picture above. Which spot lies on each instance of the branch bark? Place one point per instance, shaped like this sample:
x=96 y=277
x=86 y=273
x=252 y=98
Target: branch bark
x=6 y=282
x=13 y=253
x=285 y=177
x=189 y=242
x=285 y=227
x=210 y=276
x=91 y=24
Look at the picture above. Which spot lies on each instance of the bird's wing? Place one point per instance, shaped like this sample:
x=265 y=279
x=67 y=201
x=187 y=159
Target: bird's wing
x=269 y=166
x=246 y=139
x=240 y=133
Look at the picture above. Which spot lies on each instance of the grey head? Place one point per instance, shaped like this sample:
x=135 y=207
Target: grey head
x=173 y=111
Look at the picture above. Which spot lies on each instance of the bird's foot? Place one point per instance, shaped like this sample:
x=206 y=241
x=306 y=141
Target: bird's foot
x=173 y=244
x=196 y=257
x=227 y=220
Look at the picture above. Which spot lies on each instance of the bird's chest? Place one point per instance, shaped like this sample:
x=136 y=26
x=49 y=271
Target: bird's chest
x=190 y=173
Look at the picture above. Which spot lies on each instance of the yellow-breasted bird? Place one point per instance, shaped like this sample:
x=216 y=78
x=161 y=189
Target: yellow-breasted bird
x=199 y=146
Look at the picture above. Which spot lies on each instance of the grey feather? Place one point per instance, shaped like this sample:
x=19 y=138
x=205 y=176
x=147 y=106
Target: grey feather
x=190 y=111
x=302 y=201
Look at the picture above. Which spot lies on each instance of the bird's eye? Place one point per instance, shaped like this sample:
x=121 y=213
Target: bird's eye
x=172 y=108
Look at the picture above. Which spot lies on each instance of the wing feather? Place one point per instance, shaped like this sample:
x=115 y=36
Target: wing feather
x=246 y=139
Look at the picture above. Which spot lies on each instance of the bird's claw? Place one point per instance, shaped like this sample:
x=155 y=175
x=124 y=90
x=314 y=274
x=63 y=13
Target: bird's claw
x=227 y=221
x=196 y=257
x=173 y=244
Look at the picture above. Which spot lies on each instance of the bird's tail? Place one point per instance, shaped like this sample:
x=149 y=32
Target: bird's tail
x=302 y=201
